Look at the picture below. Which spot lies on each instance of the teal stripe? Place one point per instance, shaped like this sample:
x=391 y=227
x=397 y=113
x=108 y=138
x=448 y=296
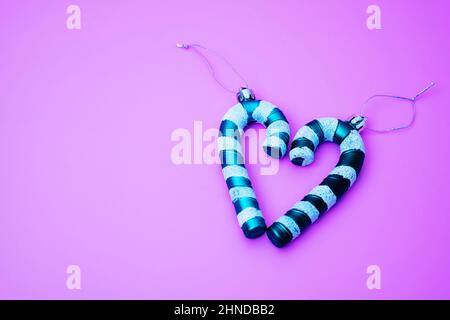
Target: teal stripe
x=229 y=129
x=343 y=129
x=275 y=115
x=243 y=203
x=238 y=181
x=231 y=157
x=250 y=106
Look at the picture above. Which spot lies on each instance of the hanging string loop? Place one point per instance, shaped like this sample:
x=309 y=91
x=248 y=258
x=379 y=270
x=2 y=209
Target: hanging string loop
x=197 y=48
x=412 y=101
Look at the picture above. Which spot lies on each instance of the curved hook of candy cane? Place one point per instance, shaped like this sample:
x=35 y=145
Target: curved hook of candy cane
x=233 y=123
x=338 y=181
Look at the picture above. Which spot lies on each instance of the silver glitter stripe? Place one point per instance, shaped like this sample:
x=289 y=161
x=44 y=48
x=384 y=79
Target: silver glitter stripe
x=277 y=127
x=275 y=142
x=308 y=208
x=303 y=152
x=326 y=194
x=328 y=126
x=353 y=141
x=238 y=115
x=290 y=224
x=308 y=133
x=234 y=171
x=228 y=143
x=346 y=172
x=240 y=192
x=262 y=111
x=247 y=214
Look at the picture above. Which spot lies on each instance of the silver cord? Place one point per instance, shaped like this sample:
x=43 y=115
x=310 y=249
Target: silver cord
x=196 y=48
x=410 y=100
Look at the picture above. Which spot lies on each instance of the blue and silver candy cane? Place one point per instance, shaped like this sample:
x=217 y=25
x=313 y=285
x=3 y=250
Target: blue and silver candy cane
x=246 y=111
x=249 y=110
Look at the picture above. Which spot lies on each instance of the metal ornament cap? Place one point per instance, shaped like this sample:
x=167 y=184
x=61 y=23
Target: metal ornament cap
x=245 y=94
x=358 y=122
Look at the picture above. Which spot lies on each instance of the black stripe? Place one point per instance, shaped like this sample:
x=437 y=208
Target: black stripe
x=229 y=129
x=275 y=115
x=338 y=184
x=302 y=142
x=352 y=158
x=231 y=157
x=342 y=131
x=298 y=161
x=300 y=218
x=238 y=181
x=247 y=202
x=317 y=202
x=315 y=126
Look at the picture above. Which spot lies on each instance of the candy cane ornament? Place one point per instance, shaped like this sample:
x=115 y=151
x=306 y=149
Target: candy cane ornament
x=242 y=195
x=246 y=111
x=338 y=181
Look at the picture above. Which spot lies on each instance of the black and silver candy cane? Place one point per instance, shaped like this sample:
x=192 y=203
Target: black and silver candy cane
x=340 y=179
x=236 y=119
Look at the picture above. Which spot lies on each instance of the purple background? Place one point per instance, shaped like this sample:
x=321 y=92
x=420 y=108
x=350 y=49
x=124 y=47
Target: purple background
x=86 y=176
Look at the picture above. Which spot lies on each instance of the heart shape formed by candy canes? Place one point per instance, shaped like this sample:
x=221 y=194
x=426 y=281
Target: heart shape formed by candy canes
x=307 y=139
x=320 y=199
x=339 y=180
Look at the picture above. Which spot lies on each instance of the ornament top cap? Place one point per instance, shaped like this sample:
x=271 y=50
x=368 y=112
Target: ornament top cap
x=358 y=122
x=245 y=94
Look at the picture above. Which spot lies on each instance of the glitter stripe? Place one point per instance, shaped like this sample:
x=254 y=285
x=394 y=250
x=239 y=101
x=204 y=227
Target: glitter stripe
x=308 y=133
x=346 y=172
x=228 y=143
x=262 y=111
x=326 y=194
x=241 y=192
x=234 y=171
x=308 y=208
x=278 y=126
x=304 y=152
x=328 y=126
x=247 y=214
x=352 y=142
x=290 y=224
x=238 y=115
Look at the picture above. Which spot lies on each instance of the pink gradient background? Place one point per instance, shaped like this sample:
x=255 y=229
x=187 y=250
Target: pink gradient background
x=86 y=176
